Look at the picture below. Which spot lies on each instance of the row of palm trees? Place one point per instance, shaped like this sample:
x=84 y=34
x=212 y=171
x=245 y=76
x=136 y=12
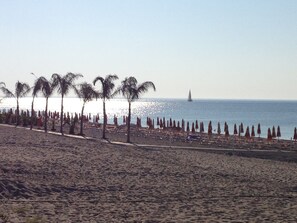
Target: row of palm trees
x=129 y=89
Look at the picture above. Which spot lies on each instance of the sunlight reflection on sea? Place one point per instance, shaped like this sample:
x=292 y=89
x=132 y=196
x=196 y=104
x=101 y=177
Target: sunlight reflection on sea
x=249 y=112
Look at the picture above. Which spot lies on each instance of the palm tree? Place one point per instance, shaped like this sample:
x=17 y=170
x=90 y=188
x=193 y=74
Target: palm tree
x=36 y=89
x=63 y=85
x=131 y=90
x=21 y=90
x=87 y=93
x=47 y=89
x=106 y=93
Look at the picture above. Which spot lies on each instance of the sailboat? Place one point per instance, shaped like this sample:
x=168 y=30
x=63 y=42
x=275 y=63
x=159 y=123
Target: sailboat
x=190 y=96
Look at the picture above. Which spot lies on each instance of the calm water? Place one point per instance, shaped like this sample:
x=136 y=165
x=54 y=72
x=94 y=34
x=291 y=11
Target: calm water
x=249 y=112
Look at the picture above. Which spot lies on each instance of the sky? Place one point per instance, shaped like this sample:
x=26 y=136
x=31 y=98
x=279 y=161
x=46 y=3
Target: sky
x=220 y=49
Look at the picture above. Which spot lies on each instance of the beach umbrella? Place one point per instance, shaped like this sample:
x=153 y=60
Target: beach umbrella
x=219 y=128
x=39 y=122
x=161 y=123
x=273 y=132
x=269 y=136
x=253 y=131
x=247 y=132
x=209 y=130
x=137 y=122
x=278 y=134
x=188 y=126
x=225 y=126
x=193 y=127
x=164 y=122
x=241 y=129
x=196 y=125
x=174 y=124
x=226 y=130
x=115 y=120
x=295 y=134
x=158 y=121
x=178 y=125
x=183 y=125
x=235 y=130
x=170 y=122
x=201 y=127
x=259 y=130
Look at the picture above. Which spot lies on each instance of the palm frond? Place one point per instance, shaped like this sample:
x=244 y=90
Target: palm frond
x=98 y=78
x=107 y=86
x=132 y=91
x=86 y=92
x=144 y=87
x=25 y=90
x=7 y=92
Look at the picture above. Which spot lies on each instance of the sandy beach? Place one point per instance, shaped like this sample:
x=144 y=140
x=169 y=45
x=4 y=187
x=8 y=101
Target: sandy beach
x=53 y=178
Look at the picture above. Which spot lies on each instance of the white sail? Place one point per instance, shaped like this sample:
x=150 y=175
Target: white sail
x=190 y=96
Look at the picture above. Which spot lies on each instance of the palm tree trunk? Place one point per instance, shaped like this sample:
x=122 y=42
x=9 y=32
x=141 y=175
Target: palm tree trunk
x=104 y=121
x=82 y=119
x=17 y=113
x=128 y=123
x=62 y=116
x=32 y=113
x=45 y=119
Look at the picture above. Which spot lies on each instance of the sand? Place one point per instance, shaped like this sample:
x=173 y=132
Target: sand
x=53 y=178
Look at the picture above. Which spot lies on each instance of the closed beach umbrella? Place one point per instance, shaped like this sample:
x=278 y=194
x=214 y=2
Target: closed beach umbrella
x=161 y=123
x=201 y=127
x=193 y=127
x=196 y=125
x=226 y=130
x=273 y=132
x=278 y=134
x=259 y=130
x=178 y=125
x=269 y=136
x=219 y=128
x=158 y=121
x=235 y=130
x=225 y=126
x=170 y=122
x=295 y=134
x=241 y=129
x=247 y=132
x=209 y=128
x=174 y=124
x=183 y=124
x=188 y=126
x=253 y=131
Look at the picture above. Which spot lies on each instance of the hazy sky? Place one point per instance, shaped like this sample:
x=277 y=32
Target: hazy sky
x=241 y=49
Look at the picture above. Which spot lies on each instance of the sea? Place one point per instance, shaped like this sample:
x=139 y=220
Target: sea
x=268 y=113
